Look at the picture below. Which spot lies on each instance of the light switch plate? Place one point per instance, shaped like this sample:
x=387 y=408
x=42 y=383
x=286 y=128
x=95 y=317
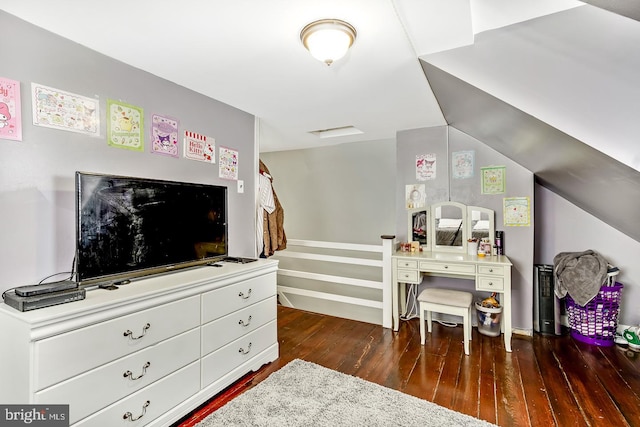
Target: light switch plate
x=240 y=186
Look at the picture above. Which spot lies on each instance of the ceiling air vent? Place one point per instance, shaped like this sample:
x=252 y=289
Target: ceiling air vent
x=335 y=132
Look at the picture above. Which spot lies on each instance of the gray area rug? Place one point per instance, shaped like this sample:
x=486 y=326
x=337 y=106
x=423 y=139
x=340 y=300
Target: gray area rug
x=305 y=394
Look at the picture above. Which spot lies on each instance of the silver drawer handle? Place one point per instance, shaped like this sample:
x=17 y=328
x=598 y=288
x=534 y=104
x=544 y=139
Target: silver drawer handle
x=241 y=294
x=446 y=266
x=490 y=283
x=129 y=415
x=241 y=322
x=491 y=270
x=243 y=351
x=144 y=371
x=129 y=334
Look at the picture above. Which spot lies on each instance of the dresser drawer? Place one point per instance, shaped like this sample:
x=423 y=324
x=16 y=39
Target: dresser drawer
x=408 y=276
x=402 y=263
x=226 y=359
x=452 y=268
x=231 y=327
x=490 y=283
x=222 y=301
x=491 y=269
x=150 y=402
x=64 y=356
x=89 y=392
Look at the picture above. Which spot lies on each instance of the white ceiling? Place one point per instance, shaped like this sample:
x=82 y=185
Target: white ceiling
x=247 y=53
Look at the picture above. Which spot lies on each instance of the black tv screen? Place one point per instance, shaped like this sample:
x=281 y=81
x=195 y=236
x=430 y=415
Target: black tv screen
x=128 y=227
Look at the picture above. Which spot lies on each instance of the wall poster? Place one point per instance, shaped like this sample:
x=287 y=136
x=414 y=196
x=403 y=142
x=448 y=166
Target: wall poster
x=54 y=108
x=164 y=135
x=415 y=195
x=10 y=112
x=227 y=163
x=493 y=179
x=517 y=211
x=462 y=163
x=199 y=147
x=124 y=125
x=425 y=167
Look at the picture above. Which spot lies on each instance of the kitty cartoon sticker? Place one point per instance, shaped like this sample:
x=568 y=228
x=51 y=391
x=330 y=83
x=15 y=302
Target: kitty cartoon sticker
x=10 y=114
x=164 y=135
x=5 y=115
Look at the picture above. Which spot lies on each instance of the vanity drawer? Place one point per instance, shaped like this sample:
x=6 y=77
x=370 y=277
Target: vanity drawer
x=498 y=270
x=452 y=268
x=408 y=276
x=402 y=263
x=231 y=327
x=66 y=355
x=490 y=283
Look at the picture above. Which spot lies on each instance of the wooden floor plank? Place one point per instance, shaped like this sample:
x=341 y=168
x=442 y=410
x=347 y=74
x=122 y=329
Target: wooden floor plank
x=487 y=382
x=592 y=397
x=511 y=404
x=537 y=401
x=563 y=401
x=545 y=381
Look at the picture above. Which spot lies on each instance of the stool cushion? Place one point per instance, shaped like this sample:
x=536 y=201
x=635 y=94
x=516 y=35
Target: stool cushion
x=446 y=297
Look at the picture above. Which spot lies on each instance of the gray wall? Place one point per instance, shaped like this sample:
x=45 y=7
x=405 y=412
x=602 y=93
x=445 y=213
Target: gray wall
x=341 y=193
x=355 y=192
x=563 y=227
x=37 y=174
x=519 y=183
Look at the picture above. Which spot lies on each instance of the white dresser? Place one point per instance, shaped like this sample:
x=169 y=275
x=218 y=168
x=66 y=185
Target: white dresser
x=147 y=353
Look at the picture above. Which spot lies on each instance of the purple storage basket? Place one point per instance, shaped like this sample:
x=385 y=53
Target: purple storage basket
x=596 y=322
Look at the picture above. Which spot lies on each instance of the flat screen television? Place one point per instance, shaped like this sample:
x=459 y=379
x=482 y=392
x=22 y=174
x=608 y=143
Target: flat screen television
x=129 y=227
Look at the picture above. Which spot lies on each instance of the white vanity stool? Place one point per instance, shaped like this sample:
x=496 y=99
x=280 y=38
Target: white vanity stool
x=446 y=301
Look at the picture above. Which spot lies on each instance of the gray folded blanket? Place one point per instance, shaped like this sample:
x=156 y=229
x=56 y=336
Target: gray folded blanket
x=580 y=274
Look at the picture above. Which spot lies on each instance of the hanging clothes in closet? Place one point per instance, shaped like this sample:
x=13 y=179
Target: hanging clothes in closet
x=271 y=236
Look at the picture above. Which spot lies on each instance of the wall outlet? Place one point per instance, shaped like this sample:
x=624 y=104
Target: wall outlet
x=240 y=186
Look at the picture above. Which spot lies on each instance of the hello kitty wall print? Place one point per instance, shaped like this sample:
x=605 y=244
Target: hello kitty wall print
x=199 y=147
x=10 y=113
x=164 y=135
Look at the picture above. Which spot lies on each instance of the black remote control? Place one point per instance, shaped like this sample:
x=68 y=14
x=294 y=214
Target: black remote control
x=45 y=288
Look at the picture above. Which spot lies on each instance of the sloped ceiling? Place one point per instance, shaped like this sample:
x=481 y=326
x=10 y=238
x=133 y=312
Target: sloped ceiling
x=528 y=90
x=597 y=183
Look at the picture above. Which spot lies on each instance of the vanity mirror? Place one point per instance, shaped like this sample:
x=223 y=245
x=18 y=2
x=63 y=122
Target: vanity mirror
x=448 y=227
x=481 y=223
x=418 y=226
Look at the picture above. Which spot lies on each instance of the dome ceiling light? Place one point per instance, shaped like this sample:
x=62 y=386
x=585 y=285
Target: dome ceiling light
x=328 y=39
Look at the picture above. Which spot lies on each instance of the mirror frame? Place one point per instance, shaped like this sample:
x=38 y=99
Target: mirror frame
x=464 y=228
x=410 y=212
x=492 y=226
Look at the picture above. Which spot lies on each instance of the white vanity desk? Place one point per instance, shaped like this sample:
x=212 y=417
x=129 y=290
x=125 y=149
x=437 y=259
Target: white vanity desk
x=489 y=273
x=445 y=254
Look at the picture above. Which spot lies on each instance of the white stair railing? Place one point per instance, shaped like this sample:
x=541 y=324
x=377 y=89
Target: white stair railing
x=313 y=262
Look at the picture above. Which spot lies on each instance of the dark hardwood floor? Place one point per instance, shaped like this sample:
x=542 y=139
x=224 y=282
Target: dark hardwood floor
x=545 y=381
